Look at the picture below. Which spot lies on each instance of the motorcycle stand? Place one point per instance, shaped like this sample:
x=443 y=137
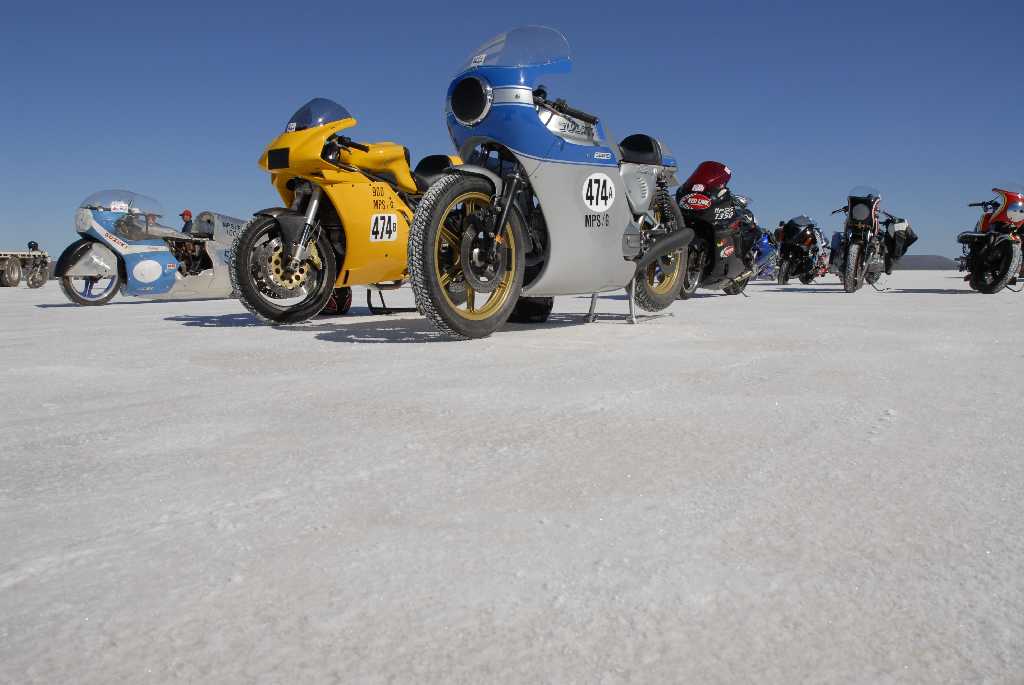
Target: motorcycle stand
x=880 y=285
x=632 y=317
x=384 y=309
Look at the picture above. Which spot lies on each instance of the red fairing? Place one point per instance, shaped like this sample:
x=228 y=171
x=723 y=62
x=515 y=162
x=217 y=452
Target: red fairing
x=710 y=175
x=1011 y=208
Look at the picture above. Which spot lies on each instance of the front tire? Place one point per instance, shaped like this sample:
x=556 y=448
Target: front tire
x=996 y=266
x=10 y=275
x=853 y=276
x=91 y=294
x=692 y=272
x=38 y=277
x=266 y=288
x=807 y=279
x=439 y=237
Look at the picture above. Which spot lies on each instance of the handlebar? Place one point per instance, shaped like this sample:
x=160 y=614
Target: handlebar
x=561 y=107
x=984 y=205
x=345 y=141
x=841 y=209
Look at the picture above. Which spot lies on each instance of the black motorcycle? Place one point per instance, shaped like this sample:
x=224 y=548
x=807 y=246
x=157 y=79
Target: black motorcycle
x=992 y=253
x=864 y=251
x=803 y=252
x=723 y=253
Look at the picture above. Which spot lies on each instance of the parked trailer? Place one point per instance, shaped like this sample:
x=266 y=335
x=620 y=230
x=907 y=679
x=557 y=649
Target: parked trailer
x=33 y=265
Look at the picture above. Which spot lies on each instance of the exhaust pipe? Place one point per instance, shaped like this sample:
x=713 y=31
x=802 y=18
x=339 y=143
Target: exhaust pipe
x=664 y=245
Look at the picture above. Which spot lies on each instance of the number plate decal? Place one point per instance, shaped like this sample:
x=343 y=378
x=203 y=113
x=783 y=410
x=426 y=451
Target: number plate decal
x=383 y=228
x=598 y=192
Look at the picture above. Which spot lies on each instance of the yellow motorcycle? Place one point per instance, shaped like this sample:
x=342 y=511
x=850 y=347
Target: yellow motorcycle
x=346 y=223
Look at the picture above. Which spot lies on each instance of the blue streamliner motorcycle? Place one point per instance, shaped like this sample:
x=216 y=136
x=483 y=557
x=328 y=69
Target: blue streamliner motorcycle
x=546 y=204
x=766 y=260
x=124 y=248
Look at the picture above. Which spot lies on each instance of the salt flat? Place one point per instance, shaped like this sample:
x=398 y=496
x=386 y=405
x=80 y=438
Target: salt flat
x=802 y=485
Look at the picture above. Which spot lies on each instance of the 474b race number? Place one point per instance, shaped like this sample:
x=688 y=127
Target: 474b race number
x=383 y=228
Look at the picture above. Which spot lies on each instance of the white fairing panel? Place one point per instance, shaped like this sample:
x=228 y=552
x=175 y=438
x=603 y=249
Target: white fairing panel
x=587 y=212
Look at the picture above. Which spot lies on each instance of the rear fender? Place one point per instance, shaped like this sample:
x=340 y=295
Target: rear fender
x=87 y=258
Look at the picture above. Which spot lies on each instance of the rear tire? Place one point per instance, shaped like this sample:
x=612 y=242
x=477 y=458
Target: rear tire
x=782 y=278
x=435 y=262
x=807 y=279
x=339 y=302
x=532 y=310
x=10 y=274
x=659 y=284
x=257 y=294
x=996 y=269
x=853 y=277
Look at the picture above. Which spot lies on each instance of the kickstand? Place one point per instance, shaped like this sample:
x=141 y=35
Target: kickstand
x=592 y=314
x=631 y=291
x=369 y=303
x=744 y=293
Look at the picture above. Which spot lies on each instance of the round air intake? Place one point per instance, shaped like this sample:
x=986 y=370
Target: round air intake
x=860 y=212
x=471 y=100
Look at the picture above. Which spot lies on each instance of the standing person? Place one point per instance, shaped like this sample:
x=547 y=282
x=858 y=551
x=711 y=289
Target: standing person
x=186 y=216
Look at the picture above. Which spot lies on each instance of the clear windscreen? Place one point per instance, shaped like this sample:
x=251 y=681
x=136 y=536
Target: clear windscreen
x=521 y=47
x=865 y=191
x=316 y=112
x=123 y=201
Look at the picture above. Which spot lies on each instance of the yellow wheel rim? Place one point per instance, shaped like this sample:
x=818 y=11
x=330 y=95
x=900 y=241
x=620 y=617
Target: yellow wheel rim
x=449 y=239
x=662 y=278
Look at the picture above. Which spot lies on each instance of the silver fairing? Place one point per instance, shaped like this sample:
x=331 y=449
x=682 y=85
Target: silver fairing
x=641 y=181
x=586 y=246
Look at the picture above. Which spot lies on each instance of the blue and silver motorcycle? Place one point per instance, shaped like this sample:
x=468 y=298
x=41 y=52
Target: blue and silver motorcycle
x=545 y=204
x=123 y=248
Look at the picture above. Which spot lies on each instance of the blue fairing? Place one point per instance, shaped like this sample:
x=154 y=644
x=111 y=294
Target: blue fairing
x=160 y=275
x=518 y=126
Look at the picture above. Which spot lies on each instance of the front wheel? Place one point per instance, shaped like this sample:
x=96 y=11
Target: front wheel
x=853 y=276
x=38 y=277
x=997 y=265
x=454 y=249
x=10 y=274
x=807 y=279
x=271 y=291
x=692 y=272
x=90 y=291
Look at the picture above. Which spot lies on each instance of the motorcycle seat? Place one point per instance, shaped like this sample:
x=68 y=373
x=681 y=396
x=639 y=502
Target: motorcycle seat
x=640 y=148
x=430 y=170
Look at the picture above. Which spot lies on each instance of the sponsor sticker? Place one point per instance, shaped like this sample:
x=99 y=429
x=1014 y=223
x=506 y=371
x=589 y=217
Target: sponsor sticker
x=728 y=251
x=698 y=188
x=598 y=192
x=119 y=206
x=478 y=60
x=724 y=213
x=602 y=155
x=697 y=202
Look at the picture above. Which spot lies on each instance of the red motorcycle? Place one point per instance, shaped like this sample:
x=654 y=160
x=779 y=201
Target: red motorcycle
x=992 y=252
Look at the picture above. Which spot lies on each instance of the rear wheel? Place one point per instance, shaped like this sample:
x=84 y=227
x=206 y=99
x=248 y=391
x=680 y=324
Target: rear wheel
x=10 y=274
x=996 y=266
x=267 y=288
x=782 y=277
x=338 y=303
x=692 y=271
x=853 y=277
x=659 y=284
x=532 y=310
x=90 y=291
x=466 y=281
x=807 y=279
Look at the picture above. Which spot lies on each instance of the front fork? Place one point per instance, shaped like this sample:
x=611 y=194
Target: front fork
x=300 y=250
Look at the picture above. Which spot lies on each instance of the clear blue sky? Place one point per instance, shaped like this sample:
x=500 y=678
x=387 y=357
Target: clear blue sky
x=802 y=100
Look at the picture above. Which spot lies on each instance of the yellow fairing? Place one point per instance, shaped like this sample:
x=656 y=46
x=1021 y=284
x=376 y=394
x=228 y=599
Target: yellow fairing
x=373 y=216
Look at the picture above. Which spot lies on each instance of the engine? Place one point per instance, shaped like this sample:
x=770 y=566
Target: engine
x=191 y=255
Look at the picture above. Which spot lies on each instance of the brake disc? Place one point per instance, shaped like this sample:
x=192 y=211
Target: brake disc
x=482 y=271
x=276 y=278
